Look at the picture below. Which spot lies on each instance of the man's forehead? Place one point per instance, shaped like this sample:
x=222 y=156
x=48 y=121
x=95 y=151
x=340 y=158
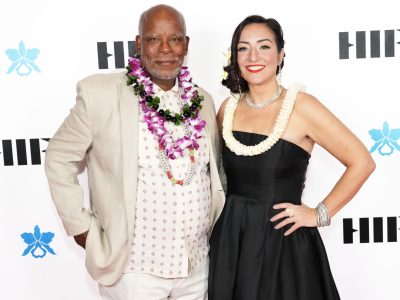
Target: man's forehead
x=163 y=27
x=163 y=20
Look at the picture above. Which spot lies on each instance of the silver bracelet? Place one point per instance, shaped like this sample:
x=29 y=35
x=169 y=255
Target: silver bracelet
x=323 y=218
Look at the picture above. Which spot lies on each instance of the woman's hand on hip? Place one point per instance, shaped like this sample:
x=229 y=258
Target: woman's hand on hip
x=299 y=215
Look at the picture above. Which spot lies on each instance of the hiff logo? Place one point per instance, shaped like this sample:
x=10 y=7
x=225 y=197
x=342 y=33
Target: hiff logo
x=38 y=243
x=103 y=49
x=23 y=60
x=364 y=230
x=375 y=41
x=385 y=140
x=16 y=152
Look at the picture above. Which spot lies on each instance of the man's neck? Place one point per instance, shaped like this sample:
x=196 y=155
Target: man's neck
x=164 y=84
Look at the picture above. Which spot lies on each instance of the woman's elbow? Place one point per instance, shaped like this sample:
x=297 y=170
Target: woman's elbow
x=368 y=165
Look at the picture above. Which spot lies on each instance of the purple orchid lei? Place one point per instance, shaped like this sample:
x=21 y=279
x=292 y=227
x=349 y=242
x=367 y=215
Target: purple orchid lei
x=139 y=78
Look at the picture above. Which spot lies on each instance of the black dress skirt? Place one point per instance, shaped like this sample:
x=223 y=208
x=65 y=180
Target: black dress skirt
x=249 y=259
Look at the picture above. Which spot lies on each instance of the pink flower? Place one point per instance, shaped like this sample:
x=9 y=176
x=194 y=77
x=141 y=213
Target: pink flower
x=186 y=85
x=135 y=65
x=184 y=75
x=200 y=125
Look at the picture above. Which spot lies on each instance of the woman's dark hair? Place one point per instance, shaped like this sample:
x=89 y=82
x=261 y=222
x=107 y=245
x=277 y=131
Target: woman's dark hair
x=234 y=81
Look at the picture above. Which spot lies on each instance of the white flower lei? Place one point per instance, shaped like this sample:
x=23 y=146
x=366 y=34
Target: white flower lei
x=277 y=132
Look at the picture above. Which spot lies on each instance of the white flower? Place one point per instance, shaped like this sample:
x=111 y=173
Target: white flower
x=277 y=132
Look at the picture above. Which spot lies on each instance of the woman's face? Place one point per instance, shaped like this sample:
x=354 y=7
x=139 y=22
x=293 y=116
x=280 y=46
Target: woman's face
x=257 y=54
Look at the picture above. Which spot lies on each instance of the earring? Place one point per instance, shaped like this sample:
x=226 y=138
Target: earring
x=279 y=74
x=240 y=90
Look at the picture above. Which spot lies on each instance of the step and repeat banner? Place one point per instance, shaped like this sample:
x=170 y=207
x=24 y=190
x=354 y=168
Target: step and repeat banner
x=347 y=53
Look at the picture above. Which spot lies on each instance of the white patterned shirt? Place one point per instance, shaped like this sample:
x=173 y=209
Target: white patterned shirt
x=172 y=221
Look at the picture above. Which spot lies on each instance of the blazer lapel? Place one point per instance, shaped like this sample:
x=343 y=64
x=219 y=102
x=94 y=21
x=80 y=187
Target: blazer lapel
x=129 y=112
x=211 y=131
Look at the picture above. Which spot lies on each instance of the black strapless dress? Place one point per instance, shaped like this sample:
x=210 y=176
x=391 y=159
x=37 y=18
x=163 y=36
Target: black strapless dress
x=249 y=259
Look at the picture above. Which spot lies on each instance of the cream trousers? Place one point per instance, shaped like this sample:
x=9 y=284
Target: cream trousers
x=137 y=286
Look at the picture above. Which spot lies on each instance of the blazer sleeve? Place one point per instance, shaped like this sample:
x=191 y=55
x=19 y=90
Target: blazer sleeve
x=64 y=155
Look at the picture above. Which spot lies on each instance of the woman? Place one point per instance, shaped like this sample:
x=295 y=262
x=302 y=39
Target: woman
x=265 y=244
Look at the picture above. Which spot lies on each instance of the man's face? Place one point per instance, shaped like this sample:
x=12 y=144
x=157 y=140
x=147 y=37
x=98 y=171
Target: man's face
x=162 y=46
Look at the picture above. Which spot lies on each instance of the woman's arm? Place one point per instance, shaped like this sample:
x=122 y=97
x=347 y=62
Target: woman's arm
x=322 y=127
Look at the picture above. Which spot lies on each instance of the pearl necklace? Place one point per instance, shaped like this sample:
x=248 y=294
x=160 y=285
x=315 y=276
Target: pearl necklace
x=167 y=167
x=277 y=132
x=266 y=102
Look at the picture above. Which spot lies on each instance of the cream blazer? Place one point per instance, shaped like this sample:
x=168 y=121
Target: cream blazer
x=102 y=128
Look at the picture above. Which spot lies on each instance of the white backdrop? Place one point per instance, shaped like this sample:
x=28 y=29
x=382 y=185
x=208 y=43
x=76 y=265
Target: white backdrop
x=362 y=92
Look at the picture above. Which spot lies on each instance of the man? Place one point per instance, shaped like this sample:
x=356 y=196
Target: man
x=154 y=194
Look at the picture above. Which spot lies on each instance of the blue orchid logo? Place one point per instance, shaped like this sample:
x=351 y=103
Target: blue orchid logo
x=23 y=60
x=385 y=139
x=38 y=243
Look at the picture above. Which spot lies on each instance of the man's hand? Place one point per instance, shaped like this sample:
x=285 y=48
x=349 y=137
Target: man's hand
x=80 y=239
